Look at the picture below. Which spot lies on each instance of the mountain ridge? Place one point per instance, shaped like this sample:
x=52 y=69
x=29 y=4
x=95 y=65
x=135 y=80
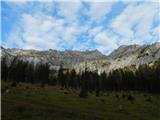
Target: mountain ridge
x=125 y=55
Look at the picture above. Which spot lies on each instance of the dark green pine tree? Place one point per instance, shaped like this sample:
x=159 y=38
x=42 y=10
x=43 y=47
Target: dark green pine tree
x=61 y=77
x=97 y=84
x=12 y=71
x=84 y=85
x=4 y=68
x=43 y=73
x=73 y=79
x=103 y=79
x=29 y=73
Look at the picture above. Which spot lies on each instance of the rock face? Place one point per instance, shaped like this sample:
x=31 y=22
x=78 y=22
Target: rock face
x=125 y=56
x=136 y=55
x=92 y=60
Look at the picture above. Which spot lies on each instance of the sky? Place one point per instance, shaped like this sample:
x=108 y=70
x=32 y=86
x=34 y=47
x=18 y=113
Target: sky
x=79 y=24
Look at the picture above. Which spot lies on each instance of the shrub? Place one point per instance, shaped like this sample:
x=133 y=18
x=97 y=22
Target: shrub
x=117 y=96
x=14 y=84
x=106 y=94
x=97 y=94
x=130 y=97
x=102 y=100
x=27 y=87
x=65 y=92
x=83 y=94
x=149 y=99
x=123 y=96
x=120 y=108
x=20 y=108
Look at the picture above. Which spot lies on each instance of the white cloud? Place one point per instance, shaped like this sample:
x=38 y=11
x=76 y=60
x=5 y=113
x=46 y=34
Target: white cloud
x=140 y=17
x=133 y=26
x=156 y=34
x=106 y=42
x=82 y=46
x=156 y=30
x=17 y=2
x=14 y=39
x=69 y=34
x=94 y=31
x=40 y=30
x=98 y=10
x=69 y=10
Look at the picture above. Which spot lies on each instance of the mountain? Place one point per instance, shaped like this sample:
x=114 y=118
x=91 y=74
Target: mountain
x=53 y=57
x=136 y=55
x=125 y=55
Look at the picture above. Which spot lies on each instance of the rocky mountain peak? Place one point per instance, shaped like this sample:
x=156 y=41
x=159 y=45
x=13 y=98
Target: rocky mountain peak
x=96 y=51
x=124 y=50
x=156 y=45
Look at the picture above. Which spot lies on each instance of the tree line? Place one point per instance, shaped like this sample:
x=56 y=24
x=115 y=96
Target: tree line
x=145 y=78
x=21 y=71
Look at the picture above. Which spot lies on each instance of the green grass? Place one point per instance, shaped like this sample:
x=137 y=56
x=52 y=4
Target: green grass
x=29 y=102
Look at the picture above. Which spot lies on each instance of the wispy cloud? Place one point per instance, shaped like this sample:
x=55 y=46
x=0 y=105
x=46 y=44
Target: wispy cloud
x=78 y=25
x=136 y=21
x=98 y=10
x=69 y=10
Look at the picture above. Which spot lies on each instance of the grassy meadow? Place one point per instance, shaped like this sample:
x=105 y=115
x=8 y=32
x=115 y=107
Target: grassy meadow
x=31 y=102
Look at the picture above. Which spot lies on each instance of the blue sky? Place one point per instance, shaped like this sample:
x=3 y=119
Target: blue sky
x=78 y=25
